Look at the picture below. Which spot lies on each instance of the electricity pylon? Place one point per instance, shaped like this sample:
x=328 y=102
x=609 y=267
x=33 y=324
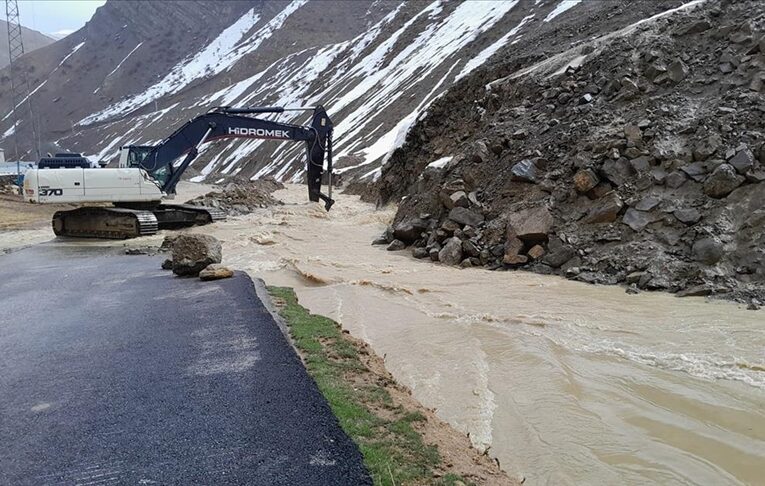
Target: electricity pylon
x=20 y=92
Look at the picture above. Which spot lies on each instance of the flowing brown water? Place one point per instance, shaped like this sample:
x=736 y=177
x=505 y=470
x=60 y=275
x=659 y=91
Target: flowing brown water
x=567 y=383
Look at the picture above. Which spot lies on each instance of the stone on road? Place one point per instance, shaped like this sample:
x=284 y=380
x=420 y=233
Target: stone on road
x=112 y=370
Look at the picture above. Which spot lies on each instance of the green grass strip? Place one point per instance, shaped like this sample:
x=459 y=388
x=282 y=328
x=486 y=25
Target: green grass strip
x=393 y=449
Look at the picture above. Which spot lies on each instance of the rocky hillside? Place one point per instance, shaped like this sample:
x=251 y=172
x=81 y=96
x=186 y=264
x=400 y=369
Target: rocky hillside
x=138 y=69
x=635 y=157
x=32 y=40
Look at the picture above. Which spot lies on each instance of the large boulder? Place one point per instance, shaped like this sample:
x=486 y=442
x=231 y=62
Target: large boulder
x=410 y=230
x=707 y=250
x=531 y=225
x=192 y=253
x=558 y=253
x=451 y=253
x=465 y=217
x=722 y=181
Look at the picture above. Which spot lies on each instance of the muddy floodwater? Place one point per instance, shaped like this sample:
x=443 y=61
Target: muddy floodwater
x=567 y=383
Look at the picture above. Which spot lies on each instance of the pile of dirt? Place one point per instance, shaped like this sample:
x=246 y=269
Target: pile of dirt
x=641 y=163
x=8 y=184
x=242 y=196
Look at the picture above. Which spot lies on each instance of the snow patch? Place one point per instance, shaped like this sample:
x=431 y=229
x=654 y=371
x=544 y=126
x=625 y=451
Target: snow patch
x=562 y=7
x=123 y=60
x=485 y=54
x=440 y=163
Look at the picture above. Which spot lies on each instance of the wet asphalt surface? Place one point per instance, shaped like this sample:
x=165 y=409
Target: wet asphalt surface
x=113 y=371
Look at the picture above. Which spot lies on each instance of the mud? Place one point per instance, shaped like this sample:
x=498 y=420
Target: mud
x=563 y=382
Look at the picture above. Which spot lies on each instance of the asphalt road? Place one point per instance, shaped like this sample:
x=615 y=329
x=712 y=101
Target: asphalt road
x=113 y=371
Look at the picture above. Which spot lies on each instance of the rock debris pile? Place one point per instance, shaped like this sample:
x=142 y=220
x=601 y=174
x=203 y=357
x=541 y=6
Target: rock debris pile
x=241 y=196
x=642 y=166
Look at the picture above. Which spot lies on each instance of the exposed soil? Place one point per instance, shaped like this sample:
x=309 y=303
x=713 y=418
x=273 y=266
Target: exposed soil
x=635 y=158
x=15 y=213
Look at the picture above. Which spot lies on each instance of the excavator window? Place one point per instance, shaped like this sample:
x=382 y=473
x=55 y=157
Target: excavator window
x=136 y=155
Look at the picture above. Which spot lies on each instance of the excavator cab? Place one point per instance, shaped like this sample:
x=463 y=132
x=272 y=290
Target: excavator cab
x=133 y=156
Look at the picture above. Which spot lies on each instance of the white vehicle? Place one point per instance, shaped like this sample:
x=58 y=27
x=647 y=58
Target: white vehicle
x=147 y=175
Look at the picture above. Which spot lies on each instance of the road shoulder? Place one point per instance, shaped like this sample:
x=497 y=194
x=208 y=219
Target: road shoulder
x=402 y=441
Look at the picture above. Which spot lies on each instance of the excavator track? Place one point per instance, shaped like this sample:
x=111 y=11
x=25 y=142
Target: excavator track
x=206 y=214
x=112 y=223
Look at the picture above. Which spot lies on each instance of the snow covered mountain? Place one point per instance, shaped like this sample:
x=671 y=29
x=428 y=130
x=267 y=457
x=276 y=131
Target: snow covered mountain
x=137 y=70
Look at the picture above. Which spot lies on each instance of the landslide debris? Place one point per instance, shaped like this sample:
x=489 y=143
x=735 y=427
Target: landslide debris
x=643 y=164
x=242 y=196
x=193 y=253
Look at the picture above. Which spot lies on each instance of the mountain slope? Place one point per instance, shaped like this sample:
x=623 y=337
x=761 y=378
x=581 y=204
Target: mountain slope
x=32 y=40
x=375 y=65
x=635 y=157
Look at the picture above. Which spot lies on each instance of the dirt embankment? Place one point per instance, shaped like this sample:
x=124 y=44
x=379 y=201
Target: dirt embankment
x=641 y=164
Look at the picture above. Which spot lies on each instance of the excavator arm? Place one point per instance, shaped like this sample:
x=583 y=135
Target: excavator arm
x=227 y=122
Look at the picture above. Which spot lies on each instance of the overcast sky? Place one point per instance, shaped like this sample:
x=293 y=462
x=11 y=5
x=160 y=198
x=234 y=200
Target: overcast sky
x=57 y=17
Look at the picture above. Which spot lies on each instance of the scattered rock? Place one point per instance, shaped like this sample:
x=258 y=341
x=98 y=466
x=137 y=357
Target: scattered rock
x=167 y=264
x=618 y=171
x=722 y=181
x=707 y=250
x=637 y=220
x=633 y=134
x=605 y=210
x=396 y=245
x=410 y=230
x=459 y=199
x=742 y=161
x=193 y=252
x=696 y=291
x=558 y=253
x=641 y=164
x=385 y=238
x=647 y=203
x=420 y=252
x=524 y=171
x=215 y=272
x=451 y=253
x=531 y=225
x=688 y=216
x=707 y=147
x=677 y=71
x=536 y=252
x=585 y=180
x=675 y=179
x=466 y=217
